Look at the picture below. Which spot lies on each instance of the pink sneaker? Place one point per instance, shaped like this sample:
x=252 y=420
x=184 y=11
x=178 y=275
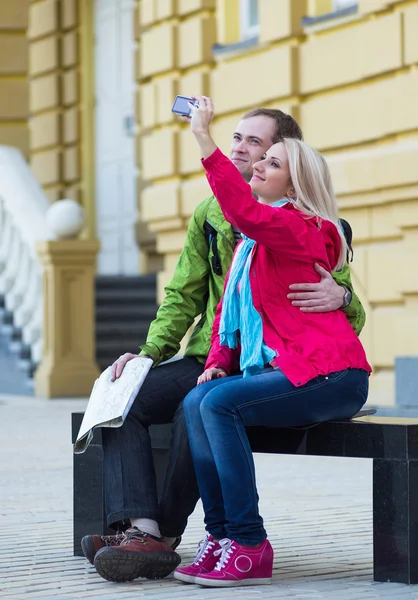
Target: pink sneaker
x=240 y=565
x=204 y=562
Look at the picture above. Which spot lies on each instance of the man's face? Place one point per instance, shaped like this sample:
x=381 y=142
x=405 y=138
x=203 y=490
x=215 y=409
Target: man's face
x=252 y=138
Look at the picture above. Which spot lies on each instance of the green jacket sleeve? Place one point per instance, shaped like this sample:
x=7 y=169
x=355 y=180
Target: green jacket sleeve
x=185 y=298
x=354 y=311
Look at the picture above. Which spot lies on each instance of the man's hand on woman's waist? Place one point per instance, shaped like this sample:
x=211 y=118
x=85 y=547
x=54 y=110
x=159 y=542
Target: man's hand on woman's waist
x=321 y=297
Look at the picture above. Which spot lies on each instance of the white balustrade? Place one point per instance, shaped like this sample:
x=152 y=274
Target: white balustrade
x=6 y=231
x=23 y=207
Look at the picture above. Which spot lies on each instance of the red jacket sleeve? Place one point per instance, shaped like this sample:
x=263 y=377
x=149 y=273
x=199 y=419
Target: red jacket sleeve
x=281 y=230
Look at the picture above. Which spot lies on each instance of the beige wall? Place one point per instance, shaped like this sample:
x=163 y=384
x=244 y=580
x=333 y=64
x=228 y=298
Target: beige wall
x=13 y=74
x=352 y=83
x=174 y=57
x=54 y=70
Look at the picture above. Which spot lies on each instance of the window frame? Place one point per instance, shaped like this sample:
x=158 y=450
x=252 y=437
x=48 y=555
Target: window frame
x=336 y=11
x=247 y=31
x=338 y=5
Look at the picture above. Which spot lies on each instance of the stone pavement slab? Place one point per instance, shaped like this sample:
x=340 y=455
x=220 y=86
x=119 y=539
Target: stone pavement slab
x=317 y=513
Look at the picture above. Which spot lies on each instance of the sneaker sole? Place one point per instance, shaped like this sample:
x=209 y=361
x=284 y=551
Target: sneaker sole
x=88 y=548
x=185 y=578
x=231 y=583
x=118 y=565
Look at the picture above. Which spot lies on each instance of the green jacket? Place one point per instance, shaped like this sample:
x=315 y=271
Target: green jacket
x=195 y=290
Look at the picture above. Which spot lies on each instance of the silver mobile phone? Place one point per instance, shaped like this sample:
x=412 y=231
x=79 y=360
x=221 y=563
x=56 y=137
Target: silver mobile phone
x=181 y=107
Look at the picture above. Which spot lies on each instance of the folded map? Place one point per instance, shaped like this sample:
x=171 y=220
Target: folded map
x=110 y=402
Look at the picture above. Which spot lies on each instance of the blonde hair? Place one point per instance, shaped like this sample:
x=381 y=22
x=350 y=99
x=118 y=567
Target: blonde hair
x=311 y=180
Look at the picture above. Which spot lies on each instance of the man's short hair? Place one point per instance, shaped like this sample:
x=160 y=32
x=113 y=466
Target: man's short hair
x=286 y=126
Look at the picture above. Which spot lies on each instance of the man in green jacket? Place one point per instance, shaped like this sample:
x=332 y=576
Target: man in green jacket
x=194 y=291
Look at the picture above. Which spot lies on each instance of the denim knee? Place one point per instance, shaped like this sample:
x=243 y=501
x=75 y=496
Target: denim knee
x=215 y=401
x=193 y=401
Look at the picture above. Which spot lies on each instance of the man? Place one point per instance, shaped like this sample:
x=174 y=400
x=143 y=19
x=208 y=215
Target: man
x=195 y=290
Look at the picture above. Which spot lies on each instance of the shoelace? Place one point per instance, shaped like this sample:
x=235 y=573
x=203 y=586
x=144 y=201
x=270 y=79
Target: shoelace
x=203 y=548
x=113 y=540
x=133 y=533
x=225 y=552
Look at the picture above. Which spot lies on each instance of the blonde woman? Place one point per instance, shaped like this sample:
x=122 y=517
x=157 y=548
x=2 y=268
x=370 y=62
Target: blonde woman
x=294 y=368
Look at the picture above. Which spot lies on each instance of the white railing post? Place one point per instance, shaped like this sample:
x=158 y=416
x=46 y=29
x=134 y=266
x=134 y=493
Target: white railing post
x=23 y=208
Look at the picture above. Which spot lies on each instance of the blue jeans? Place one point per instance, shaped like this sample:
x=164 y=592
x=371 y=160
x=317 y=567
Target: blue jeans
x=216 y=415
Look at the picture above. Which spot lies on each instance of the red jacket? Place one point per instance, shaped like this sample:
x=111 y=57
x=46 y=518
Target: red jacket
x=288 y=243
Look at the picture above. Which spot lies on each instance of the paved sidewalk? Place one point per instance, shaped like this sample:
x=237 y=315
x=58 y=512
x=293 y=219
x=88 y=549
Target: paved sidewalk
x=317 y=512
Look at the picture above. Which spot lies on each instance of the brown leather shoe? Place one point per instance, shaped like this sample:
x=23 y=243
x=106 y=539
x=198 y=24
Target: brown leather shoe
x=91 y=544
x=138 y=555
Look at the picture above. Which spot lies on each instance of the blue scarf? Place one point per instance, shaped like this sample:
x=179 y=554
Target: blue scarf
x=239 y=313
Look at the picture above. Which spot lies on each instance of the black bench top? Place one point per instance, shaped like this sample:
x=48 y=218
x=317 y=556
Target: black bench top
x=364 y=437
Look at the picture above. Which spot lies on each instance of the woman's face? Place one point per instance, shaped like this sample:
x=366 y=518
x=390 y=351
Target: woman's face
x=271 y=177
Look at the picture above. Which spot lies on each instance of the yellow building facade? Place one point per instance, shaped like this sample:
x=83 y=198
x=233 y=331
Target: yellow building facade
x=347 y=71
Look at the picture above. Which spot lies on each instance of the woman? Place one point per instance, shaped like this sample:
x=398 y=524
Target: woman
x=297 y=368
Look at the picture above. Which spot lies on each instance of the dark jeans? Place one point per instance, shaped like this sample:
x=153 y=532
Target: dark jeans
x=216 y=415
x=129 y=477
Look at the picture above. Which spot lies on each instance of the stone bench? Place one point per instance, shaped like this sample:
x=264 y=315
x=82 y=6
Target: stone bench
x=392 y=443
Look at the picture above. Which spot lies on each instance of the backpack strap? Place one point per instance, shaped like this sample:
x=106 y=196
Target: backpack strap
x=211 y=236
x=348 y=234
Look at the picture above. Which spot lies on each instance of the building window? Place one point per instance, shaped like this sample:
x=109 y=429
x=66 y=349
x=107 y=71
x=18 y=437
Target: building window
x=249 y=19
x=328 y=10
x=342 y=4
